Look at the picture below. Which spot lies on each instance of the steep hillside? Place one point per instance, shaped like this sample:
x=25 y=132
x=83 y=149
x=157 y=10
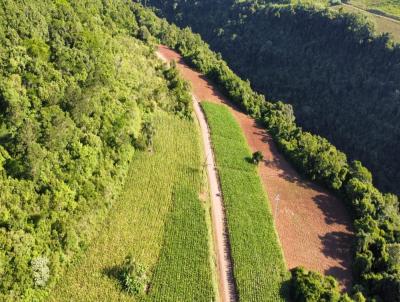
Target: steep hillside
x=341 y=79
x=376 y=216
x=77 y=94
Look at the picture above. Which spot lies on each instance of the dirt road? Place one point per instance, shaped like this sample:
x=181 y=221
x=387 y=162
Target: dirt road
x=314 y=227
x=371 y=13
x=227 y=291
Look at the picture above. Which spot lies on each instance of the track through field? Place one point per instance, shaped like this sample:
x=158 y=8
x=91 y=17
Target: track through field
x=314 y=227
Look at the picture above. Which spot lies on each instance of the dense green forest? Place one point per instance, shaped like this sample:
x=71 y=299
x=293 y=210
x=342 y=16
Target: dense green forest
x=342 y=80
x=77 y=94
x=376 y=215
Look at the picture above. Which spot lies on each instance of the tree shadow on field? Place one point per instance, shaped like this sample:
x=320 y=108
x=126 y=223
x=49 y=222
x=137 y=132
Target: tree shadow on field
x=334 y=212
x=249 y=160
x=339 y=246
x=284 y=291
x=341 y=274
x=275 y=159
x=113 y=272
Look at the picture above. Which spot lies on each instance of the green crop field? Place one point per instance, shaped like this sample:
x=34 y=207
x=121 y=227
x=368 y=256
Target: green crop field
x=160 y=220
x=259 y=267
x=386 y=7
x=376 y=11
x=389 y=7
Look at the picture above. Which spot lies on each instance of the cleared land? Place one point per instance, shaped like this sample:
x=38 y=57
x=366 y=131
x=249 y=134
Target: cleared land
x=259 y=268
x=383 y=24
x=314 y=227
x=160 y=220
x=384 y=13
x=391 y=8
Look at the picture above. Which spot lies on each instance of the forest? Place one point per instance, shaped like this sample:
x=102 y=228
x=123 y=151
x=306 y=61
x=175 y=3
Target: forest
x=340 y=76
x=79 y=88
x=77 y=95
x=376 y=216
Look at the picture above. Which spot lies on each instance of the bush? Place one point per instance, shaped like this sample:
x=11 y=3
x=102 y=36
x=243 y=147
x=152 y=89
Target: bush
x=257 y=157
x=309 y=286
x=133 y=277
x=41 y=271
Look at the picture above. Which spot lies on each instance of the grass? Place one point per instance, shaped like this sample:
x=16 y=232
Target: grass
x=383 y=25
x=160 y=220
x=372 y=9
x=259 y=268
x=389 y=7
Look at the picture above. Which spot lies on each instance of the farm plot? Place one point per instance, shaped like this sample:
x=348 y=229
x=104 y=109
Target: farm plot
x=387 y=7
x=258 y=264
x=159 y=220
x=383 y=24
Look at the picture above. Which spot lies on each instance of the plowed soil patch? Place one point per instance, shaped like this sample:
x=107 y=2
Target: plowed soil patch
x=314 y=227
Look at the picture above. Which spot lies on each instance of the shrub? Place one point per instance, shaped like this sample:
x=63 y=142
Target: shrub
x=359 y=297
x=133 y=277
x=257 y=157
x=145 y=140
x=308 y=286
x=41 y=271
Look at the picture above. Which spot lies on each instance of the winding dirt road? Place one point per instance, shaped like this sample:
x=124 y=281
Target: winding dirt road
x=314 y=227
x=226 y=284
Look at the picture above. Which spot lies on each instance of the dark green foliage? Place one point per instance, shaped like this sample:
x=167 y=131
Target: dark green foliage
x=180 y=91
x=145 y=140
x=133 y=277
x=257 y=157
x=342 y=79
x=376 y=215
x=307 y=286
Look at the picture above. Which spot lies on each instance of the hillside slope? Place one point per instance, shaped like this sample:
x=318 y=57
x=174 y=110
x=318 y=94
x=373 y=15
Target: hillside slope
x=77 y=93
x=159 y=220
x=376 y=216
x=341 y=79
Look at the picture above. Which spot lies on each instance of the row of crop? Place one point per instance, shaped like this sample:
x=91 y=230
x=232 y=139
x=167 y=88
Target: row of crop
x=258 y=264
x=376 y=215
x=158 y=221
x=76 y=94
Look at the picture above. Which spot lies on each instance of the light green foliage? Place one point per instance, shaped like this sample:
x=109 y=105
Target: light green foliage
x=41 y=272
x=259 y=268
x=389 y=7
x=75 y=92
x=159 y=220
x=257 y=157
x=133 y=277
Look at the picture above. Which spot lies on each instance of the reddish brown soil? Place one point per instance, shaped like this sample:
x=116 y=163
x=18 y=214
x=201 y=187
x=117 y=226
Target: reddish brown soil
x=314 y=227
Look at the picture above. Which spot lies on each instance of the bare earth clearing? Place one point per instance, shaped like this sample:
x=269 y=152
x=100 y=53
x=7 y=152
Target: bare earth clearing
x=383 y=24
x=314 y=227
